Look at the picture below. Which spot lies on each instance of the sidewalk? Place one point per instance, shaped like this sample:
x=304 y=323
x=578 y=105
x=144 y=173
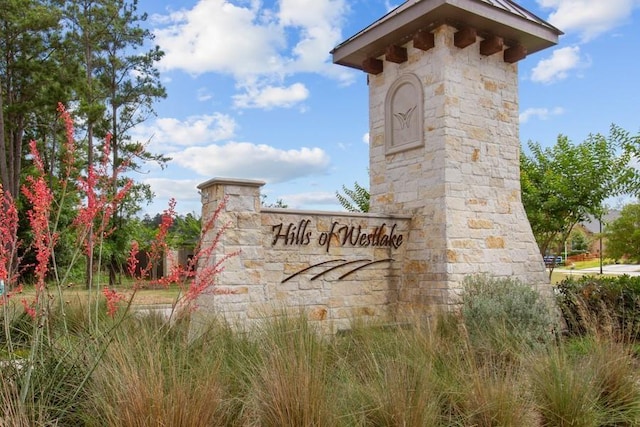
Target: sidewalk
x=628 y=269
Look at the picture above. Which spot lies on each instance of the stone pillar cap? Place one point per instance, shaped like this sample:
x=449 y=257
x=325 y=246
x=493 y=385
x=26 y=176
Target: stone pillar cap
x=231 y=181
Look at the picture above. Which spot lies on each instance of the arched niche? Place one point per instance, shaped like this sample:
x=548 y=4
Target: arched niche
x=404 y=114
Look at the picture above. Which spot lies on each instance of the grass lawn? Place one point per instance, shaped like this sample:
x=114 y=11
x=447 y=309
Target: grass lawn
x=145 y=296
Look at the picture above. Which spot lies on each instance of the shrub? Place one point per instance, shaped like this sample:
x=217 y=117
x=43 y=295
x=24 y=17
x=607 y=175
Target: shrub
x=601 y=305
x=503 y=311
x=385 y=376
x=588 y=382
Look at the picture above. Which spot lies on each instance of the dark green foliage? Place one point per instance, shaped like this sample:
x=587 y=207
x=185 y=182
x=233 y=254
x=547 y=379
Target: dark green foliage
x=563 y=184
x=608 y=305
x=278 y=204
x=623 y=234
x=579 y=243
x=356 y=199
x=185 y=232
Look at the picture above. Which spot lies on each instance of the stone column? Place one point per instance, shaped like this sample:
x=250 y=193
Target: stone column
x=235 y=203
x=444 y=148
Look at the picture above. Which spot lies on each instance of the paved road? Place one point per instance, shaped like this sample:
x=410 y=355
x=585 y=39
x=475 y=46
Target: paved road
x=628 y=269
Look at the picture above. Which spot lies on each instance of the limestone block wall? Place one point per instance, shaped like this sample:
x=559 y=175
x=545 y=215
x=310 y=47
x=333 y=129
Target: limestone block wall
x=334 y=266
x=461 y=183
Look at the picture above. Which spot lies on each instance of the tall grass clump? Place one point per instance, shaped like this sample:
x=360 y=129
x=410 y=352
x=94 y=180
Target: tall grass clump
x=290 y=380
x=55 y=347
x=385 y=377
x=152 y=374
x=477 y=386
x=591 y=380
x=563 y=391
x=616 y=379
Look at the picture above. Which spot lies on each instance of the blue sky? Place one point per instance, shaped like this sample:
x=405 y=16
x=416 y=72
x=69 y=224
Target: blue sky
x=253 y=93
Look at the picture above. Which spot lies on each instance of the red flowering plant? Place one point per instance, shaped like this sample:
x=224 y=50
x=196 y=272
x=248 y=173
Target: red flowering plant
x=97 y=202
x=195 y=278
x=98 y=198
x=204 y=266
x=8 y=241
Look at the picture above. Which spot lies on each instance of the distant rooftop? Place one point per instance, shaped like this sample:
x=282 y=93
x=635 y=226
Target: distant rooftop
x=503 y=18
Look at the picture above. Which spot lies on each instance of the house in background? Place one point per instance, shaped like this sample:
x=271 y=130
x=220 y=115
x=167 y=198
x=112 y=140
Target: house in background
x=177 y=258
x=592 y=228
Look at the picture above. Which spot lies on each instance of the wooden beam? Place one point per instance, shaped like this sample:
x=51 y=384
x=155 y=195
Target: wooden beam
x=424 y=40
x=515 y=54
x=372 y=66
x=397 y=54
x=464 y=37
x=491 y=45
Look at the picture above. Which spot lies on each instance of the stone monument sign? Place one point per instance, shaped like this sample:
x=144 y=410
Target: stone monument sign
x=444 y=179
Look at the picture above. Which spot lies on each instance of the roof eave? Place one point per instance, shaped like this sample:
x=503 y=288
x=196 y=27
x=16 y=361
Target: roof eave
x=398 y=27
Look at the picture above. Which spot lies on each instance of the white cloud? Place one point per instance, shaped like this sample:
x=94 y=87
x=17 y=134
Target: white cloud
x=319 y=25
x=258 y=46
x=299 y=201
x=589 y=18
x=540 y=113
x=557 y=67
x=251 y=161
x=184 y=191
x=389 y=6
x=168 y=188
x=268 y=97
x=203 y=94
x=218 y=36
x=365 y=138
x=194 y=130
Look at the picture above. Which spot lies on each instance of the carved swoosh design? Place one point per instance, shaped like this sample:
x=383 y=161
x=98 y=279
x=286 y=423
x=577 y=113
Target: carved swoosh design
x=309 y=268
x=364 y=266
x=342 y=263
x=338 y=266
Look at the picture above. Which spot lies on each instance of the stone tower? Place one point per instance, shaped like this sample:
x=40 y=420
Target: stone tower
x=444 y=143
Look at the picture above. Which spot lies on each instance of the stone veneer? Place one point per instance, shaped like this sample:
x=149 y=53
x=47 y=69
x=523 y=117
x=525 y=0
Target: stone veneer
x=445 y=180
x=461 y=185
x=290 y=260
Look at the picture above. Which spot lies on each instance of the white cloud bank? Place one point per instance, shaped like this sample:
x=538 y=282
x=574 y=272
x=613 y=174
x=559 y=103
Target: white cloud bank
x=259 y=47
x=269 y=97
x=588 y=18
x=168 y=133
x=558 y=66
x=252 y=161
x=296 y=201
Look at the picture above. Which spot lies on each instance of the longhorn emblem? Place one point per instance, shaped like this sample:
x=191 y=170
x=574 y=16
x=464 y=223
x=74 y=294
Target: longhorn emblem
x=404 y=119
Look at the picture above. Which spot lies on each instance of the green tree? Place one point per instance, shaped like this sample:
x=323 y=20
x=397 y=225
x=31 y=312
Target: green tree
x=279 y=203
x=579 y=242
x=86 y=24
x=623 y=234
x=119 y=87
x=31 y=77
x=185 y=232
x=563 y=184
x=132 y=83
x=354 y=200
